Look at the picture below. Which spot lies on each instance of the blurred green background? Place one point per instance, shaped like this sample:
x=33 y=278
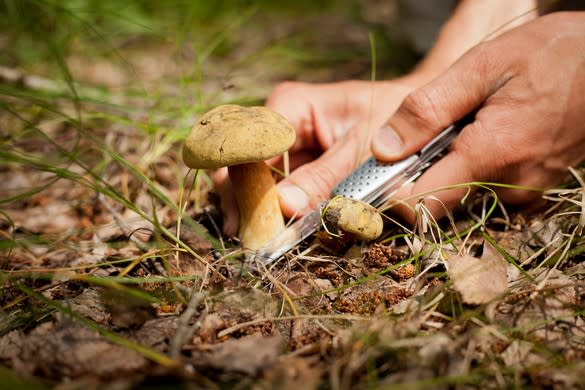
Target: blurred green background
x=37 y=34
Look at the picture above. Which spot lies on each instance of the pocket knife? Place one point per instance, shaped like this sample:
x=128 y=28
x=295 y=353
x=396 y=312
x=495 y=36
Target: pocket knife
x=373 y=182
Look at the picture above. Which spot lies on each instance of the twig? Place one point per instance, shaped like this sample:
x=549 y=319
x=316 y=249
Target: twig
x=241 y=325
x=183 y=328
x=118 y=218
x=581 y=203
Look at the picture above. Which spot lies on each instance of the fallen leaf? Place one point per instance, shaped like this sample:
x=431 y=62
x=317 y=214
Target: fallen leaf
x=479 y=280
x=520 y=353
x=53 y=217
x=89 y=305
x=248 y=355
x=210 y=325
x=292 y=373
x=67 y=349
x=156 y=333
x=250 y=301
x=126 y=311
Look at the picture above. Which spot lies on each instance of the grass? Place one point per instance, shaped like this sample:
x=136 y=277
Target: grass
x=138 y=226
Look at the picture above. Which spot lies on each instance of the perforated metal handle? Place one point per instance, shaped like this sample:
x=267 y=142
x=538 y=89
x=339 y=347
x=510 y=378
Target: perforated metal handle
x=373 y=177
x=375 y=181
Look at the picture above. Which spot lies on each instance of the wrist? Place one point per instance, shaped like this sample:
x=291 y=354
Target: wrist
x=472 y=22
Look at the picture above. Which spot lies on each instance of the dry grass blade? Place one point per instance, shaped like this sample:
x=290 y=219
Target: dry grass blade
x=581 y=202
x=106 y=236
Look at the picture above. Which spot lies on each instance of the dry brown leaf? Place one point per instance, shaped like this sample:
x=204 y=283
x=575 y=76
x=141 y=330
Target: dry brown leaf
x=89 y=305
x=292 y=373
x=67 y=349
x=250 y=302
x=248 y=355
x=156 y=333
x=53 y=217
x=479 y=280
x=520 y=353
x=210 y=326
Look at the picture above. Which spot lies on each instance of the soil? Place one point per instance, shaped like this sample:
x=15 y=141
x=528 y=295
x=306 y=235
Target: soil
x=100 y=292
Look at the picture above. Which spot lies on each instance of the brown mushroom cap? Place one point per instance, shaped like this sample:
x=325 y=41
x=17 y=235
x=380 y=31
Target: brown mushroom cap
x=232 y=134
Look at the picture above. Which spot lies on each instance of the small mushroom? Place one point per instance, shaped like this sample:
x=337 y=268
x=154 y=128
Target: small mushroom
x=241 y=138
x=347 y=220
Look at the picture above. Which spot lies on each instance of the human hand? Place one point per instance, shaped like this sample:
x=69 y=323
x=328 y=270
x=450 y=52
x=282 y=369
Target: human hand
x=527 y=87
x=334 y=124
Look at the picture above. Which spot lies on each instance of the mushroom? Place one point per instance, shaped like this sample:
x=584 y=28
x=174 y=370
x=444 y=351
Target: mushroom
x=241 y=138
x=347 y=220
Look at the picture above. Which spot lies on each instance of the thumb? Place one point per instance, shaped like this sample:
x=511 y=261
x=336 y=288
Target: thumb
x=425 y=112
x=310 y=184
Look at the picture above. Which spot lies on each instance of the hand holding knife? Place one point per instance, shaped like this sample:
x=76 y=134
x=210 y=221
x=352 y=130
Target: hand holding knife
x=373 y=182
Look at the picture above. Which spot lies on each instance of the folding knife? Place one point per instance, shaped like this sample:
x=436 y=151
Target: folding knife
x=373 y=182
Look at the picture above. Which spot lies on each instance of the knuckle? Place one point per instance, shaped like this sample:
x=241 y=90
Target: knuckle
x=517 y=196
x=322 y=179
x=482 y=60
x=493 y=155
x=284 y=89
x=476 y=150
x=220 y=177
x=422 y=109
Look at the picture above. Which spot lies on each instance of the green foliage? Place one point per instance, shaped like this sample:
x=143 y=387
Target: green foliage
x=31 y=25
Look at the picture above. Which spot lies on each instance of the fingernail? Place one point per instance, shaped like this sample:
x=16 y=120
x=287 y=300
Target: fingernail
x=387 y=142
x=293 y=197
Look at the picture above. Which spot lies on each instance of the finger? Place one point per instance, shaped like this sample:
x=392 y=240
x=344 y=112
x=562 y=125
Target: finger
x=428 y=110
x=530 y=182
x=295 y=161
x=301 y=115
x=439 y=187
x=311 y=183
x=279 y=100
x=228 y=206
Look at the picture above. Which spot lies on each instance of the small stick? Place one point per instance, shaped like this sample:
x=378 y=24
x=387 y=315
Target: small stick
x=183 y=328
x=239 y=326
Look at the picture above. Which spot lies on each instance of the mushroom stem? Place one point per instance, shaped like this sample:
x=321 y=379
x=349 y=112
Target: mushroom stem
x=257 y=199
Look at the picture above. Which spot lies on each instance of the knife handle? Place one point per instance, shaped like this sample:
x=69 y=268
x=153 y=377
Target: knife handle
x=375 y=181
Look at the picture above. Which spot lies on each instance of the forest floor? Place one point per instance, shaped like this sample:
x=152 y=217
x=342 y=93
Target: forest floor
x=115 y=273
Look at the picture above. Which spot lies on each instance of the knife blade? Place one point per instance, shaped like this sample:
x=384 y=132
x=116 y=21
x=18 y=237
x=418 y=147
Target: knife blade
x=373 y=182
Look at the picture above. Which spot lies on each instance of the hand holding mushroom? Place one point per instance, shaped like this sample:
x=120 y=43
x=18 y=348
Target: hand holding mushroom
x=241 y=138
